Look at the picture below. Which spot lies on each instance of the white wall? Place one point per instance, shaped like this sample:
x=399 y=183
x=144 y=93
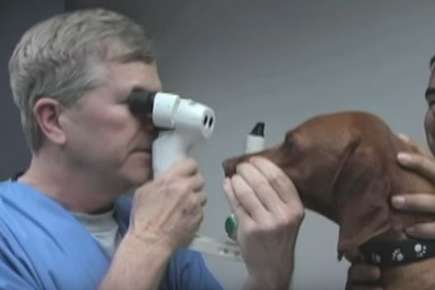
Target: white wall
x=283 y=61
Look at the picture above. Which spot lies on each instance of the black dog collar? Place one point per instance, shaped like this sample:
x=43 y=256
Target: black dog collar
x=394 y=253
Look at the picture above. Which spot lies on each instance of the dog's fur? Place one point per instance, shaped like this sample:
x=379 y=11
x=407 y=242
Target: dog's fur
x=345 y=167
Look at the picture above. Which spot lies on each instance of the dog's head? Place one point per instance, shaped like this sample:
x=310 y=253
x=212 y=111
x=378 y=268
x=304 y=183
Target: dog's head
x=344 y=167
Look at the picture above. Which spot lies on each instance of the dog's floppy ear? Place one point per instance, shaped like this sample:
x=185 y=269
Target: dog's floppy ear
x=361 y=189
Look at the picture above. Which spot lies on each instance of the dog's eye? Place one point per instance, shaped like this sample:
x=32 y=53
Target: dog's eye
x=289 y=141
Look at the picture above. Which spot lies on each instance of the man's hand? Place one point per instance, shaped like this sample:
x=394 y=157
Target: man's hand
x=363 y=277
x=166 y=214
x=169 y=209
x=421 y=202
x=269 y=213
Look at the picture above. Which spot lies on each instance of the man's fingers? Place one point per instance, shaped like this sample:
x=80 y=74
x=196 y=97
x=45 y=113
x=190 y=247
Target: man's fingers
x=277 y=179
x=236 y=208
x=258 y=182
x=364 y=273
x=229 y=193
x=363 y=277
x=405 y=138
x=248 y=199
x=414 y=145
x=423 y=164
x=184 y=167
x=411 y=143
x=197 y=182
x=422 y=231
x=421 y=202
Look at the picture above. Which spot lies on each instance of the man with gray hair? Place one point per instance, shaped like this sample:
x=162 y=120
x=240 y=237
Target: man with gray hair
x=65 y=223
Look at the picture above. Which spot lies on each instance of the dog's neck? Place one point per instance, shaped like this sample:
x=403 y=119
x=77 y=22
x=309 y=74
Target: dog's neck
x=323 y=206
x=416 y=275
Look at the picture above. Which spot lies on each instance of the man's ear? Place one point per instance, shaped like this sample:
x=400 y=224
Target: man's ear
x=47 y=112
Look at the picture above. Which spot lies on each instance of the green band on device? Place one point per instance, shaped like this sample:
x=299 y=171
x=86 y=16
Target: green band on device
x=231 y=227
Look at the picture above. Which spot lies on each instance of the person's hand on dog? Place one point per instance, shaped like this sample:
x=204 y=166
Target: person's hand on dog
x=363 y=276
x=423 y=164
x=269 y=212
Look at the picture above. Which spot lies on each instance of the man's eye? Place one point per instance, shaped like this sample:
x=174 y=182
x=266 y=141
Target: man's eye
x=430 y=96
x=141 y=103
x=123 y=101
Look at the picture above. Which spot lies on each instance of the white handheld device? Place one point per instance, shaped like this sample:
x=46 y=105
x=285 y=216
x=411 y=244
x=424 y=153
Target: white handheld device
x=254 y=143
x=182 y=123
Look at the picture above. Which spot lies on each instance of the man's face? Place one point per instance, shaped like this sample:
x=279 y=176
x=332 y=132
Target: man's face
x=429 y=121
x=104 y=139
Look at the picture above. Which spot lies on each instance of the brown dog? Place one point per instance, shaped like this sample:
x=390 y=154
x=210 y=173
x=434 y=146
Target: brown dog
x=344 y=167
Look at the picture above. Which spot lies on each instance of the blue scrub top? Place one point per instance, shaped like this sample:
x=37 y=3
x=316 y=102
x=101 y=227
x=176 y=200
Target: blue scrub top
x=42 y=246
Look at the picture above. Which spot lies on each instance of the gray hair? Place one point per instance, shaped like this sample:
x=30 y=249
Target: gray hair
x=63 y=58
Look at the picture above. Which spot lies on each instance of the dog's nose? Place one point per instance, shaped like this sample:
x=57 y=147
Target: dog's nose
x=229 y=166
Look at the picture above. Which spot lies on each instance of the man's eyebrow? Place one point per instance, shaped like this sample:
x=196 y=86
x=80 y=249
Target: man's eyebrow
x=429 y=92
x=138 y=90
